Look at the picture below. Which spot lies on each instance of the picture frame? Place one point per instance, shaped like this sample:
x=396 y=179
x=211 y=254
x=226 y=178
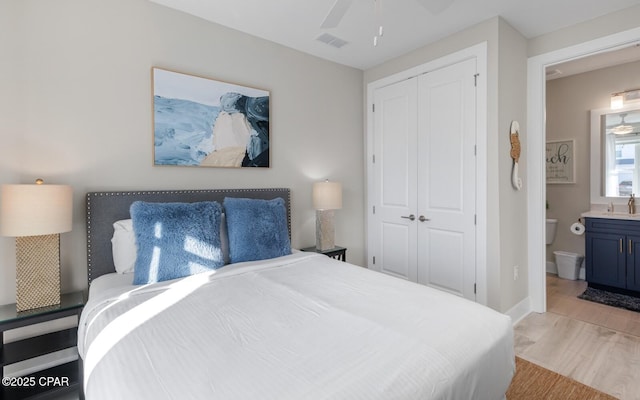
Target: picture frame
x=560 y=161
x=204 y=122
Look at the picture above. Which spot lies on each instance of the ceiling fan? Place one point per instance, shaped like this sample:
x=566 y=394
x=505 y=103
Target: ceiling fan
x=622 y=129
x=340 y=8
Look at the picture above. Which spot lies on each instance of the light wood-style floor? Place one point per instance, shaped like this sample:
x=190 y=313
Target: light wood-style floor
x=592 y=343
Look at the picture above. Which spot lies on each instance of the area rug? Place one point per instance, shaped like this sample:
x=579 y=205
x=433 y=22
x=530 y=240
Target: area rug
x=611 y=299
x=531 y=381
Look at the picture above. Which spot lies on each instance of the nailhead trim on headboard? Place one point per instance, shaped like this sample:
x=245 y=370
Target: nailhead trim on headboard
x=161 y=195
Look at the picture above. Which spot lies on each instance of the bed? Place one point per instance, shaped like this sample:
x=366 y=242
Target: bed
x=295 y=326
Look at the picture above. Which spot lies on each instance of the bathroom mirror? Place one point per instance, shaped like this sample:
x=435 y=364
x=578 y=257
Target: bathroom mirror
x=615 y=153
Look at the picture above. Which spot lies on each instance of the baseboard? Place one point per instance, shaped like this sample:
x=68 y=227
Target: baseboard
x=520 y=310
x=551 y=267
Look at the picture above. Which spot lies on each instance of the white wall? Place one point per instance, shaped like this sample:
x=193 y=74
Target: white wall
x=618 y=21
x=76 y=104
x=506 y=238
x=10 y=100
x=512 y=87
x=485 y=31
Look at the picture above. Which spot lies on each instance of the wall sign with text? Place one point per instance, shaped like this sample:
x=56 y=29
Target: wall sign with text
x=560 y=161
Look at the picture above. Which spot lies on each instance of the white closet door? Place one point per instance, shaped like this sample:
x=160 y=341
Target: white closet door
x=446 y=179
x=394 y=234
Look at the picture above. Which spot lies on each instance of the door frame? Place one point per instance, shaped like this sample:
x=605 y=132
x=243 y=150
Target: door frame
x=536 y=195
x=479 y=52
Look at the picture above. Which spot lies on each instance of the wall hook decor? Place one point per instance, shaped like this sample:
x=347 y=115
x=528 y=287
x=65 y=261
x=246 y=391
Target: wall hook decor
x=515 y=154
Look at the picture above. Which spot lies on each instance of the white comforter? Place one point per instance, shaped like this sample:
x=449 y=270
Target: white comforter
x=302 y=326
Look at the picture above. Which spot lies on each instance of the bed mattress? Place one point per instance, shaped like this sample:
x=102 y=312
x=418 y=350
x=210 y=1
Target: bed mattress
x=303 y=326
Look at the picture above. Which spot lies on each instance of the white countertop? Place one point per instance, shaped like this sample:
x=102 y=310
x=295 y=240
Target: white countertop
x=611 y=215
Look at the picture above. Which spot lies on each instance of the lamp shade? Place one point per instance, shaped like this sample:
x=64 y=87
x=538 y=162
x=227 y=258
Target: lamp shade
x=34 y=210
x=327 y=195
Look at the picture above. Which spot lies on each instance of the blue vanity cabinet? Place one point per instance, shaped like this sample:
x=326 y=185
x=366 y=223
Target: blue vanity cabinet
x=633 y=262
x=605 y=259
x=612 y=249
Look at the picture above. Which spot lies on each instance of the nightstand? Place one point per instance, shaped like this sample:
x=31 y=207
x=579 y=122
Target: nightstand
x=339 y=253
x=51 y=382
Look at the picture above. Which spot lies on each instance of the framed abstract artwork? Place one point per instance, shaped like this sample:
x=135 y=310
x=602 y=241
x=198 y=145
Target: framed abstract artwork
x=208 y=123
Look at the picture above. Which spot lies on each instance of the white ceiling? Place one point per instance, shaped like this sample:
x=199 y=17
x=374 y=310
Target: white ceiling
x=407 y=25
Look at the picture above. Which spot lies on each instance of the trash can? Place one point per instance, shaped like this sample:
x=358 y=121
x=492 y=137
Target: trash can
x=568 y=264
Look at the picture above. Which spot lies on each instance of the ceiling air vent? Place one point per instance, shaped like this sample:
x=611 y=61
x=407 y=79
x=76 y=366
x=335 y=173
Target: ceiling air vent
x=331 y=40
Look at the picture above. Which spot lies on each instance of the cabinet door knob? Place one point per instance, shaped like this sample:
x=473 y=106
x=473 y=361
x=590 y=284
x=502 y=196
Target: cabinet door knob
x=630 y=247
x=620 y=242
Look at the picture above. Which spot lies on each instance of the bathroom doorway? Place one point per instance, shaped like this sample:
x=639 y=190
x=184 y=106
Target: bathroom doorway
x=575 y=151
x=537 y=68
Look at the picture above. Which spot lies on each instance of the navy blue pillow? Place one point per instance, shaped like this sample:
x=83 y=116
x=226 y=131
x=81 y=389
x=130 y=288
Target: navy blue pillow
x=175 y=239
x=257 y=229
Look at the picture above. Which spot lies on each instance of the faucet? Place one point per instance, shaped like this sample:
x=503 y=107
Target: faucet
x=632 y=204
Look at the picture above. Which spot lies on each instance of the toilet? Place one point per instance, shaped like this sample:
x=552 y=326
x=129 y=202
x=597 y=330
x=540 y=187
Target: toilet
x=552 y=224
x=568 y=264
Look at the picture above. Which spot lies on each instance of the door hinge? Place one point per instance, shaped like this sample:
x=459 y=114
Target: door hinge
x=373 y=158
x=475 y=289
x=373 y=107
x=475 y=149
x=475 y=219
x=374 y=209
x=374 y=260
x=475 y=79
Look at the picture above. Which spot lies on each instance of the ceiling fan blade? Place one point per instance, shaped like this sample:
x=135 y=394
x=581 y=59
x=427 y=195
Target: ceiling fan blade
x=435 y=6
x=336 y=13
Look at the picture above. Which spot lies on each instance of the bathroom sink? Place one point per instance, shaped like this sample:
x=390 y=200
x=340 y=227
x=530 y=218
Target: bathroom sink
x=614 y=215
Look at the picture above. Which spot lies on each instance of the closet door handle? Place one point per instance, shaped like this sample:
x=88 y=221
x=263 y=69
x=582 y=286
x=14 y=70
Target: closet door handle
x=630 y=247
x=411 y=217
x=423 y=219
x=620 y=242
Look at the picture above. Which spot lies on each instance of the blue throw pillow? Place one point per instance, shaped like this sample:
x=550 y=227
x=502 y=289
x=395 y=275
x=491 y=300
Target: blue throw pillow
x=257 y=229
x=175 y=239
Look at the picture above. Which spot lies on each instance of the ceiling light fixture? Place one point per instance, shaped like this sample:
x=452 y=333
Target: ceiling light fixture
x=379 y=30
x=340 y=8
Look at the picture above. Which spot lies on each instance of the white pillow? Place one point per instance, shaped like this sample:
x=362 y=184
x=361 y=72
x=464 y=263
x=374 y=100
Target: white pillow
x=125 y=250
x=123 y=246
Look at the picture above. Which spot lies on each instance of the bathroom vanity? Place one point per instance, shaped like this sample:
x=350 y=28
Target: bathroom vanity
x=612 y=244
x=612 y=239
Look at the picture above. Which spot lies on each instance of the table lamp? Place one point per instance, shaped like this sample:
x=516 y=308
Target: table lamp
x=36 y=215
x=327 y=197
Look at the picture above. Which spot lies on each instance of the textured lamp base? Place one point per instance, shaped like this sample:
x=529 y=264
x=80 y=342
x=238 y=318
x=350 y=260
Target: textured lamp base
x=37 y=271
x=325 y=230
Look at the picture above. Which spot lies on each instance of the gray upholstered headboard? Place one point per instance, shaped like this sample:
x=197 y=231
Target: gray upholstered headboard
x=105 y=208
